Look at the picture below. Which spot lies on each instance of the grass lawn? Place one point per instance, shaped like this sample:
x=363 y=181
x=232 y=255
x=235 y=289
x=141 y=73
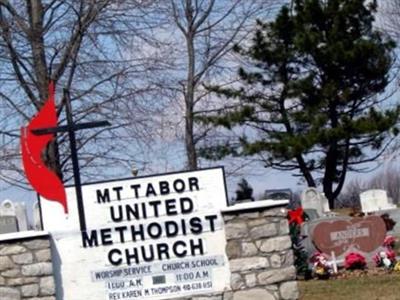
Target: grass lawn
x=355 y=288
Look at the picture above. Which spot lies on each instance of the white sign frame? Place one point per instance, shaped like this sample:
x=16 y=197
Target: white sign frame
x=177 y=262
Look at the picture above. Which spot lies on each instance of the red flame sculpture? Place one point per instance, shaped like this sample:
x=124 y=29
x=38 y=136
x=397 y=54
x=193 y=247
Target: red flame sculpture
x=43 y=180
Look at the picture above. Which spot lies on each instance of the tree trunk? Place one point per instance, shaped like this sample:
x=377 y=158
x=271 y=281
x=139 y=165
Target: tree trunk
x=189 y=142
x=329 y=195
x=35 y=11
x=329 y=176
x=189 y=103
x=305 y=171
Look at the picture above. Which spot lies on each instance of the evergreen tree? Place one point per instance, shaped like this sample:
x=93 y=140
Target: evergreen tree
x=309 y=90
x=244 y=191
x=301 y=256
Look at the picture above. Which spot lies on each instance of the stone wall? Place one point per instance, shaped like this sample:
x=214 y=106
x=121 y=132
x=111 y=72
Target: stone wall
x=260 y=255
x=26 y=269
x=258 y=248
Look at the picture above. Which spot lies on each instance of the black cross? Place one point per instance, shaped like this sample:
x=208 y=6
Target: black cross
x=71 y=127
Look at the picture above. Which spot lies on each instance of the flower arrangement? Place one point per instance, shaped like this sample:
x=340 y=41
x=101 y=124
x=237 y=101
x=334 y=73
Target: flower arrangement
x=397 y=267
x=389 y=242
x=354 y=261
x=385 y=259
x=321 y=267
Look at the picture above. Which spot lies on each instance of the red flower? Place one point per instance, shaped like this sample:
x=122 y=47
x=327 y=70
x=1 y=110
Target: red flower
x=296 y=216
x=380 y=257
x=391 y=255
x=354 y=261
x=389 y=241
x=315 y=256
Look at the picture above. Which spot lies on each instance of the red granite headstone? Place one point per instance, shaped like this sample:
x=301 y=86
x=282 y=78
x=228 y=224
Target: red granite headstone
x=363 y=234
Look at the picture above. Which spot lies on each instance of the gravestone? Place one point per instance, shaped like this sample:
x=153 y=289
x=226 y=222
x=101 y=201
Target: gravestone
x=8 y=224
x=311 y=213
x=22 y=218
x=7 y=208
x=8 y=220
x=310 y=199
x=325 y=203
x=278 y=194
x=375 y=200
x=17 y=211
x=342 y=235
x=37 y=222
x=307 y=230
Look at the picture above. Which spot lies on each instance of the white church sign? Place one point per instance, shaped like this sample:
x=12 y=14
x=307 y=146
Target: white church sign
x=154 y=237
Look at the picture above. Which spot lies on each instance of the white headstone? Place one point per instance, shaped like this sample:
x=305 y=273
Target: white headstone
x=15 y=210
x=22 y=218
x=8 y=220
x=311 y=199
x=37 y=222
x=7 y=208
x=8 y=224
x=325 y=203
x=375 y=200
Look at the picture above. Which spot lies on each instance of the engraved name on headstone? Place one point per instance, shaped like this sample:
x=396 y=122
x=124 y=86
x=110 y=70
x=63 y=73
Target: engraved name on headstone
x=356 y=234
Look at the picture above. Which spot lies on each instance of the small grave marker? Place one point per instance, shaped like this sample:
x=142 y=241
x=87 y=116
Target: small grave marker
x=325 y=203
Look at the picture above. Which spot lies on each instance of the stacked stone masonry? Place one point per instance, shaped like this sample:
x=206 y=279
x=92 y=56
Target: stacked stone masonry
x=26 y=271
x=258 y=248
x=260 y=257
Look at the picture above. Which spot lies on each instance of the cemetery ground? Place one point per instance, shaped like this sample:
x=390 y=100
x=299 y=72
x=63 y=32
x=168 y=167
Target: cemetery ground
x=355 y=287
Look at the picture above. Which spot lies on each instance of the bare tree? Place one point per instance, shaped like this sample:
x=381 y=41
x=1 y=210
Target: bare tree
x=208 y=30
x=389 y=17
x=95 y=49
x=388 y=179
